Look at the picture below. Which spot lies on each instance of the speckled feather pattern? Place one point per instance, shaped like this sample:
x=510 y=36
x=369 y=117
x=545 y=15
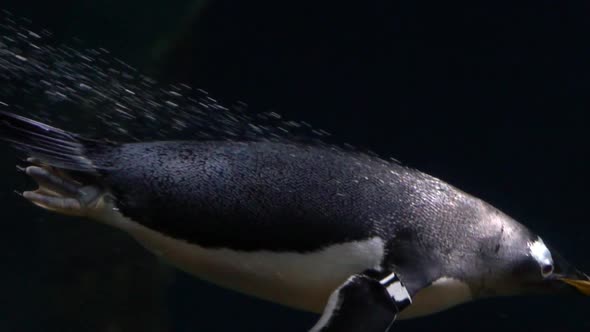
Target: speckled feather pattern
x=292 y=197
x=251 y=196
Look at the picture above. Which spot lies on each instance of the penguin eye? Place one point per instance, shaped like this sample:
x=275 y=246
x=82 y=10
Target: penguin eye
x=546 y=269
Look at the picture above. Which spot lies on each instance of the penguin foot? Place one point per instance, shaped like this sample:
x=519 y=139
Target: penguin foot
x=60 y=193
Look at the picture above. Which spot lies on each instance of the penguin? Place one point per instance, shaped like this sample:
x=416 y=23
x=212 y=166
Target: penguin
x=360 y=240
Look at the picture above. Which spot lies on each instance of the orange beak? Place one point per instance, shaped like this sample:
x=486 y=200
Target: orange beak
x=581 y=285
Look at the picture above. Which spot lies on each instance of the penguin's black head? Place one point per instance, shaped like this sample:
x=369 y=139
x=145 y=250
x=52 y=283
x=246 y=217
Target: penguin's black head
x=545 y=271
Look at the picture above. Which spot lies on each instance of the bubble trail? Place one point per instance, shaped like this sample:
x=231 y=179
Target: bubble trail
x=72 y=84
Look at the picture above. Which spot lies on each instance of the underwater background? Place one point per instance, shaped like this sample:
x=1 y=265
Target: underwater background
x=491 y=97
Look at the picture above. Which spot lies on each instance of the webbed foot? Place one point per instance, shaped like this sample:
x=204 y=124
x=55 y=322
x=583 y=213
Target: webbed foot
x=60 y=193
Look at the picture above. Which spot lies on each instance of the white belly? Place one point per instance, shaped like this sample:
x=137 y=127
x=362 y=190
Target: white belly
x=302 y=281
x=443 y=294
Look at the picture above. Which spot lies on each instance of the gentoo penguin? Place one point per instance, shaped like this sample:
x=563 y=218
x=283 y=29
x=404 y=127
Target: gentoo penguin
x=322 y=229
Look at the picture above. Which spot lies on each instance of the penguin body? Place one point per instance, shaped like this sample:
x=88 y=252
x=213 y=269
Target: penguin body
x=275 y=195
x=312 y=227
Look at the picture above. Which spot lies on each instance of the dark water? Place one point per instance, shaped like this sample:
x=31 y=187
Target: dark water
x=489 y=97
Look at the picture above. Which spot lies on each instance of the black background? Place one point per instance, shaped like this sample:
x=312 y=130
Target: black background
x=489 y=96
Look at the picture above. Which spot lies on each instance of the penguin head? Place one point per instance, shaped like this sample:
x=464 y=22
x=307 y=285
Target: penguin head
x=542 y=270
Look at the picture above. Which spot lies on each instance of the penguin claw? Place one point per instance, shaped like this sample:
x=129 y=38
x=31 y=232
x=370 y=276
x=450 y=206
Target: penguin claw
x=34 y=161
x=65 y=205
x=58 y=192
x=83 y=204
x=52 y=182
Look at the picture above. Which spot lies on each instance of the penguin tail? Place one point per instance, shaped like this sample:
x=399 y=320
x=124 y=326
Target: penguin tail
x=49 y=145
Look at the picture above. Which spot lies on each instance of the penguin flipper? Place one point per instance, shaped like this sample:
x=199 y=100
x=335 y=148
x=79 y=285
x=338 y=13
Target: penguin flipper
x=364 y=304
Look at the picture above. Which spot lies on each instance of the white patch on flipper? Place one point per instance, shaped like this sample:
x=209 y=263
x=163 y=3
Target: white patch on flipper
x=334 y=303
x=440 y=295
x=304 y=281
